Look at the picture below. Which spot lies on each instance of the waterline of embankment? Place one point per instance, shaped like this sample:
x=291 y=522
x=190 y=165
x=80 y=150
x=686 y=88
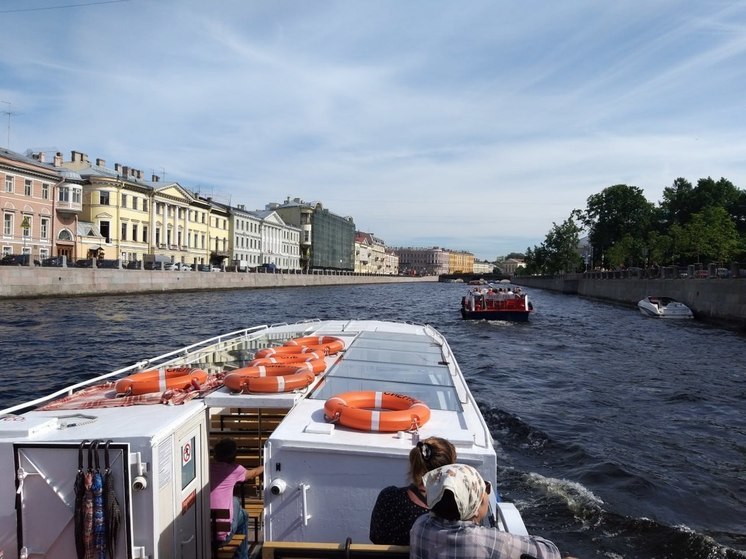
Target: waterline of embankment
x=714 y=299
x=25 y=282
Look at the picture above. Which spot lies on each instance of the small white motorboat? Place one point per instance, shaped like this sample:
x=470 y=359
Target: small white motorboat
x=664 y=307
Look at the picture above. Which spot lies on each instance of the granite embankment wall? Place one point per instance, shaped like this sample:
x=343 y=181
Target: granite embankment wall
x=23 y=281
x=712 y=299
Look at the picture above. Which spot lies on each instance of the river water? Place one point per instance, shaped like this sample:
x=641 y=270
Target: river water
x=618 y=436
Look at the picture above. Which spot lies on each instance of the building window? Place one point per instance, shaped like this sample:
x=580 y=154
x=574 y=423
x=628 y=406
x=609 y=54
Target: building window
x=103 y=198
x=26 y=230
x=8 y=184
x=124 y=200
x=45 y=191
x=134 y=202
x=44 y=233
x=144 y=205
x=104 y=228
x=144 y=233
x=7 y=225
x=124 y=232
x=77 y=195
x=63 y=194
x=134 y=231
x=27 y=190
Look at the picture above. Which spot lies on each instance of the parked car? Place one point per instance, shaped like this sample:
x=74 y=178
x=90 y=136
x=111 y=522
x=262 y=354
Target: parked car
x=54 y=261
x=133 y=265
x=268 y=267
x=17 y=260
x=84 y=263
x=723 y=273
x=172 y=266
x=184 y=267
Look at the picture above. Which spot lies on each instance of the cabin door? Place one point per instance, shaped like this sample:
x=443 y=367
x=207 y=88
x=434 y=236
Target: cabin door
x=189 y=534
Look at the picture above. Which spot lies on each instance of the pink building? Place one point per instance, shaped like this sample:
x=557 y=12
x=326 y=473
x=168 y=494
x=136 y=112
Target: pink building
x=40 y=203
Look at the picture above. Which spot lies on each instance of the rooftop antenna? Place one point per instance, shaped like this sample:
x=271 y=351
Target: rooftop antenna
x=8 y=112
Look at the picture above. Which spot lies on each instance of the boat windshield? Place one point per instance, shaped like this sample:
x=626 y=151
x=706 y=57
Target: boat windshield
x=393 y=362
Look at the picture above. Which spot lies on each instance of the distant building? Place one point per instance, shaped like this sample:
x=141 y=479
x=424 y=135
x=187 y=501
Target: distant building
x=423 y=261
x=509 y=266
x=370 y=254
x=460 y=262
x=327 y=239
x=483 y=267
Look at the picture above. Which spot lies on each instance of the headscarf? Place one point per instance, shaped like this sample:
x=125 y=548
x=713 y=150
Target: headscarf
x=463 y=481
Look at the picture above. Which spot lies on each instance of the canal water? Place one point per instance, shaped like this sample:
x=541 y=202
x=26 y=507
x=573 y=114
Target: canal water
x=618 y=436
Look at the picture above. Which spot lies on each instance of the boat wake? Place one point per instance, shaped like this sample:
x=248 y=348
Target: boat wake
x=561 y=508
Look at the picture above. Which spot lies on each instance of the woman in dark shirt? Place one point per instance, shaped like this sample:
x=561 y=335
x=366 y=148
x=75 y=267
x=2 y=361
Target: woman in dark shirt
x=397 y=508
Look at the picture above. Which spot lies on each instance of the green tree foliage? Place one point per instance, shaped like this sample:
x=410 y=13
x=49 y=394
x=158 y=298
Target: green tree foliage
x=619 y=214
x=712 y=234
x=559 y=251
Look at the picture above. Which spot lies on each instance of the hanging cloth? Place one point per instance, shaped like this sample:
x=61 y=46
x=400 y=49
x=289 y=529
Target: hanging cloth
x=97 y=486
x=87 y=508
x=112 y=510
x=79 y=512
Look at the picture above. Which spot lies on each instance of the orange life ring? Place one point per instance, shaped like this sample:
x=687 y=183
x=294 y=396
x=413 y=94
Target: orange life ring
x=264 y=365
x=288 y=350
x=376 y=411
x=160 y=380
x=268 y=379
x=334 y=345
x=288 y=358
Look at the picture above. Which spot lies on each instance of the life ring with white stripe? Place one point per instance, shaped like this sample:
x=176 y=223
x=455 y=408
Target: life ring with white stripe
x=272 y=377
x=160 y=380
x=289 y=350
x=376 y=411
x=334 y=344
x=286 y=358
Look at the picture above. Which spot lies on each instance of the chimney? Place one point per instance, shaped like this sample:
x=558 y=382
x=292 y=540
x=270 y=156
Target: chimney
x=125 y=171
x=118 y=168
x=154 y=178
x=58 y=159
x=100 y=162
x=139 y=174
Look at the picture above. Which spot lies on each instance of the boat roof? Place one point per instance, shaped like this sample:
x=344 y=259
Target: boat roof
x=379 y=356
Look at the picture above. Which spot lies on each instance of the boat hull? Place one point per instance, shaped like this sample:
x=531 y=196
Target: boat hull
x=513 y=316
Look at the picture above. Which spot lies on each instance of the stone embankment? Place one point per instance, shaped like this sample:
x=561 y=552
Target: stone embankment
x=712 y=299
x=24 y=281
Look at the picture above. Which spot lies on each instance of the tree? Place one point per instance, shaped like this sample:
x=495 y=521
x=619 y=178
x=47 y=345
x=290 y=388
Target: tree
x=712 y=233
x=617 y=212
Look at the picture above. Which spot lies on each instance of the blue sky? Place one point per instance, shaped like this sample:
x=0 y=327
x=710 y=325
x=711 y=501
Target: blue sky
x=470 y=125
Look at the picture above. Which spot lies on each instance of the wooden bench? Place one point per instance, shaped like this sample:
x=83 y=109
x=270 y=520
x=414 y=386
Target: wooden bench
x=347 y=550
x=220 y=522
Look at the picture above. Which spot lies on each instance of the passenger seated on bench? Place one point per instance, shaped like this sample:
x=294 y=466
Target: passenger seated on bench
x=459 y=500
x=397 y=508
x=225 y=473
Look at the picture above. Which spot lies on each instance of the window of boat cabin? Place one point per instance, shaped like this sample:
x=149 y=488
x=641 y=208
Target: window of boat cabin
x=386 y=362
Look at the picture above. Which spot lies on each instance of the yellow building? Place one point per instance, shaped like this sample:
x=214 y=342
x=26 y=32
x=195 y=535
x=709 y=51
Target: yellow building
x=460 y=262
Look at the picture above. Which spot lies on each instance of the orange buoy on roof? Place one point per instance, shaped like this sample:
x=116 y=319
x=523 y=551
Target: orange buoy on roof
x=269 y=379
x=376 y=411
x=315 y=366
x=289 y=358
x=160 y=380
x=285 y=350
x=334 y=345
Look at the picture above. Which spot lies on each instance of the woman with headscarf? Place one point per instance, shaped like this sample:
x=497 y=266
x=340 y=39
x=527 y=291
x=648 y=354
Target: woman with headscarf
x=397 y=508
x=459 y=499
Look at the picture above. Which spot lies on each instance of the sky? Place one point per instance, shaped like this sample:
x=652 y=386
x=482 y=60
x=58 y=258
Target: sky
x=471 y=126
